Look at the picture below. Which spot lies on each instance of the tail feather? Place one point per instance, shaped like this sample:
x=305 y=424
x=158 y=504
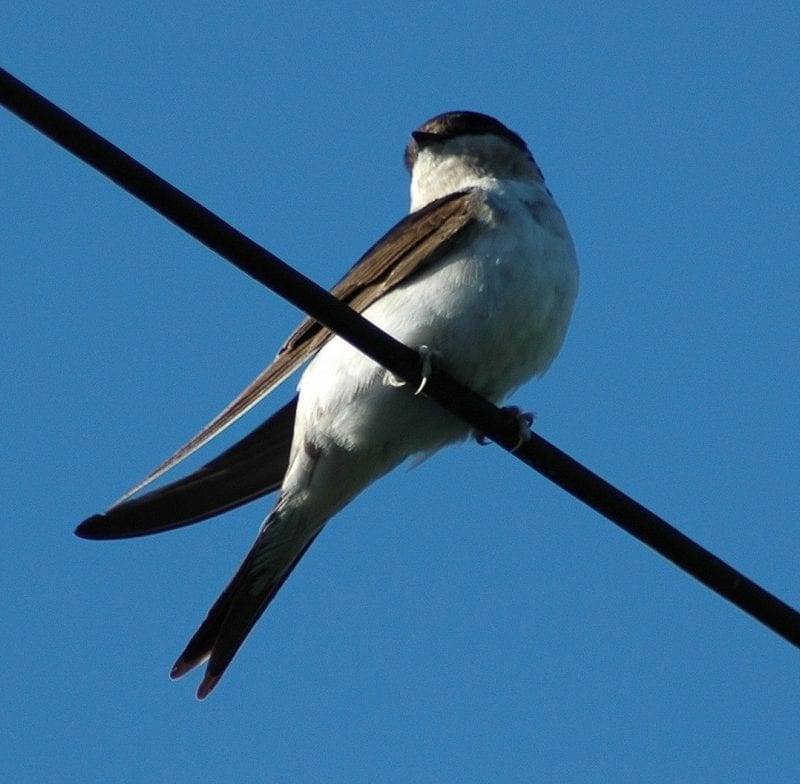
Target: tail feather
x=241 y=604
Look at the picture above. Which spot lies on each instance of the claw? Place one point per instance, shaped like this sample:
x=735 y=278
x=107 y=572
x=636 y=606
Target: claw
x=427 y=356
x=392 y=380
x=523 y=420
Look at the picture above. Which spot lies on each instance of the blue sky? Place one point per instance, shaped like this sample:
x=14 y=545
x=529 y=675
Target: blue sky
x=466 y=621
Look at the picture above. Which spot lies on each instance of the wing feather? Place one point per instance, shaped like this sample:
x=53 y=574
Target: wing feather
x=414 y=243
x=251 y=468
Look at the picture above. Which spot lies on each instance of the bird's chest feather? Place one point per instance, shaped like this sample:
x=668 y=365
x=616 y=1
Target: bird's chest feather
x=495 y=308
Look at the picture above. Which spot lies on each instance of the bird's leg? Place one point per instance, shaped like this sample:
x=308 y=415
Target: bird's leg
x=523 y=421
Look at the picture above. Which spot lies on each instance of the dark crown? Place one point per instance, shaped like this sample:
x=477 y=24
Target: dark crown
x=452 y=124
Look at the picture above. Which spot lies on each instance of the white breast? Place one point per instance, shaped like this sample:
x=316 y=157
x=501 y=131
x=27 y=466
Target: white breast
x=496 y=310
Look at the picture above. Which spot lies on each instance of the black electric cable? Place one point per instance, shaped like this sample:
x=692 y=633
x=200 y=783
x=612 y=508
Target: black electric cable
x=402 y=361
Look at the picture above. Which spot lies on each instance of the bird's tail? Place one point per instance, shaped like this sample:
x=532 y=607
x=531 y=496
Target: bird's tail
x=277 y=550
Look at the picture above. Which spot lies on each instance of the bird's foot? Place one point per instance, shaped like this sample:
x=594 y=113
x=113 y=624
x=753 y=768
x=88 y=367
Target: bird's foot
x=523 y=421
x=427 y=357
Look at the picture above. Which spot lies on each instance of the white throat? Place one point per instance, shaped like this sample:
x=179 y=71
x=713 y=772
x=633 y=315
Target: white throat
x=464 y=162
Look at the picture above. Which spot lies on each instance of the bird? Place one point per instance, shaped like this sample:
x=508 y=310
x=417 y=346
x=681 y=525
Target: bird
x=480 y=277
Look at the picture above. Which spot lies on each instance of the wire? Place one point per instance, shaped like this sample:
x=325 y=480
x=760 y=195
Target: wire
x=402 y=361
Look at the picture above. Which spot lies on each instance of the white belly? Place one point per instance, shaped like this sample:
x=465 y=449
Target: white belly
x=496 y=311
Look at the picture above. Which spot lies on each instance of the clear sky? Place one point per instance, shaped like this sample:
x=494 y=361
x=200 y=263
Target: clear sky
x=466 y=621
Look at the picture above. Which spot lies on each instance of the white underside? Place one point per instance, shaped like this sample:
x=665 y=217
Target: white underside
x=496 y=311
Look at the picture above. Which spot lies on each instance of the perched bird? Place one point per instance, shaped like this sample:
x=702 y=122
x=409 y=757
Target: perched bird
x=481 y=275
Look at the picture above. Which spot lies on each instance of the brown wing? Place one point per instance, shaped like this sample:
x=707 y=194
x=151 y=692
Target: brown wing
x=251 y=468
x=414 y=243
